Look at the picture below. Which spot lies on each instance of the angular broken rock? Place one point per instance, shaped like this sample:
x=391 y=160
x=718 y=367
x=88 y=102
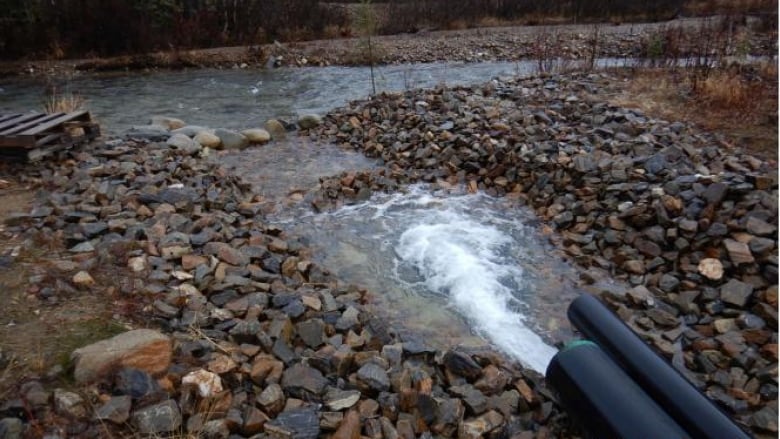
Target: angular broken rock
x=207 y=383
x=478 y=427
x=461 y=364
x=374 y=376
x=302 y=381
x=711 y=268
x=336 y=399
x=159 y=418
x=735 y=292
x=69 y=404
x=143 y=349
x=298 y=423
x=349 y=428
x=116 y=409
x=739 y=252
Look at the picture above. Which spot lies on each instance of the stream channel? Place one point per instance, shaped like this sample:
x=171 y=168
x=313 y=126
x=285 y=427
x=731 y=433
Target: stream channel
x=443 y=266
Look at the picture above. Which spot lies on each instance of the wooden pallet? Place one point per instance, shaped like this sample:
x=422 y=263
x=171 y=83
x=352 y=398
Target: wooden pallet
x=39 y=134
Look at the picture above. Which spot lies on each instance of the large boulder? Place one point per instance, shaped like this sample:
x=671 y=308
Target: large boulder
x=143 y=349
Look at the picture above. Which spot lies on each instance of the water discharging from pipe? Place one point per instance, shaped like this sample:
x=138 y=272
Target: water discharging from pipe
x=450 y=267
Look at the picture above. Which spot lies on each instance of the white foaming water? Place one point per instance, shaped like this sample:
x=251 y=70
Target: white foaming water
x=469 y=257
x=461 y=259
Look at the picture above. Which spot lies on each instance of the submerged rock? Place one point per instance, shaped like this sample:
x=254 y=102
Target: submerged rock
x=231 y=139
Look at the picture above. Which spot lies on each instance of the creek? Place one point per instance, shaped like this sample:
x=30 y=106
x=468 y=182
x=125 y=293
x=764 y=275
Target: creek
x=445 y=266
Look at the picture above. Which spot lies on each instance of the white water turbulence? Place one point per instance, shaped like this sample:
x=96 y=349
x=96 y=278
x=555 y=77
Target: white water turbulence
x=462 y=259
x=452 y=268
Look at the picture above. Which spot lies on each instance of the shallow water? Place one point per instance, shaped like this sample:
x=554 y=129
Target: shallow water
x=450 y=267
x=246 y=98
x=238 y=98
x=286 y=168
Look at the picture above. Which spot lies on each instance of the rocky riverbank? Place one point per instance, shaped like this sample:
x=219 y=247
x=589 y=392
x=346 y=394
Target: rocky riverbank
x=675 y=38
x=253 y=339
x=689 y=223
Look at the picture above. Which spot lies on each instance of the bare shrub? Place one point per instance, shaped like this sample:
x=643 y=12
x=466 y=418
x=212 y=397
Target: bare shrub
x=63 y=103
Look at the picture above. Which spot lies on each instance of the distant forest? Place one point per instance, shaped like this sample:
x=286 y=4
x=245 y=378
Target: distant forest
x=72 y=28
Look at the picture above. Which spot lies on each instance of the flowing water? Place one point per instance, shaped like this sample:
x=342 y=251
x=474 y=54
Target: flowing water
x=246 y=98
x=450 y=266
x=238 y=98
x=453 y=268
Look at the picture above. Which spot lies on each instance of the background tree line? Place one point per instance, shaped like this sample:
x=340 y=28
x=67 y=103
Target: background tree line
x=73 y=28
x=110 y=27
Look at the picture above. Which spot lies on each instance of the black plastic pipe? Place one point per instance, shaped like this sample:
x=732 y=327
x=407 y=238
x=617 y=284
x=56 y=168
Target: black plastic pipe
x=603 y=399
x=699 y=416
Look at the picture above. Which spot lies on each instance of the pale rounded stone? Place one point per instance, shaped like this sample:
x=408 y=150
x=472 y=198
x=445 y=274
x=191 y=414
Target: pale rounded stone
x=257 y=135
x=276 y=129
x=180 y=141
x=309 y=121
x=169 y=123
x=711 y=268
x=207 y=140
x=137 y=264
x=83 y=279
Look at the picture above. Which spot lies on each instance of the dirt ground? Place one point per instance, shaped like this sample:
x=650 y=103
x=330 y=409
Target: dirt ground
x=38 y=333
x=741 y=106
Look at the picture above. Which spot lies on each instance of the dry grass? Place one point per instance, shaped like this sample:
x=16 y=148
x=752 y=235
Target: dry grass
x=459 y=24
x=740 y=103
x=63 y=103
